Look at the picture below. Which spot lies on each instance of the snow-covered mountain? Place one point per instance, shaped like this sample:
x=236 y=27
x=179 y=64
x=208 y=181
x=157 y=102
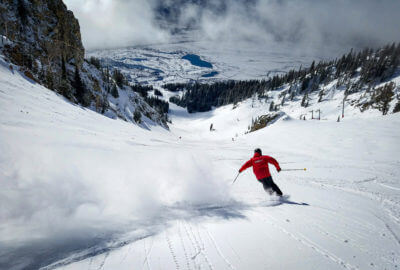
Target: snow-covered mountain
x=98 y=181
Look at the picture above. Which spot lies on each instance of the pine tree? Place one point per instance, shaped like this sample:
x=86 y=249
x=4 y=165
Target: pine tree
x=114 y=91
x=384 y=96
x=271 y=106
x=118 y=77
x=137 y=116
x=104 y=102
x=95 y=62
x=304 y=84
x=292 y=95
x=158 y=93
x=321 y=95
x=397 y=107
x=22 y=12
x=312 y=67
x=304 y=101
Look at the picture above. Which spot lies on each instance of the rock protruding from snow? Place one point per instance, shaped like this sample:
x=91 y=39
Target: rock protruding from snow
x=265 y=120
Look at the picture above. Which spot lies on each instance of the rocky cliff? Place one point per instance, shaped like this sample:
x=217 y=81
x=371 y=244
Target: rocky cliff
x=44 y=31
x=44 y=41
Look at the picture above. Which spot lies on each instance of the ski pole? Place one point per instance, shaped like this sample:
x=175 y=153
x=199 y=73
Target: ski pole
x=235 y=178
x=305 y=169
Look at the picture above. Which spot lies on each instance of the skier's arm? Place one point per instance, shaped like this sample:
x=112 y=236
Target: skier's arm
x=274 y=162
x=245 y=166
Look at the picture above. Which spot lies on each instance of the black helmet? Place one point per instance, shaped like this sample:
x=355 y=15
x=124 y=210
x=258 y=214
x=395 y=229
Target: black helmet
x=257 y=150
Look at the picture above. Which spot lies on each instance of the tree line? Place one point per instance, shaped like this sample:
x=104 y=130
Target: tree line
x=355 y=71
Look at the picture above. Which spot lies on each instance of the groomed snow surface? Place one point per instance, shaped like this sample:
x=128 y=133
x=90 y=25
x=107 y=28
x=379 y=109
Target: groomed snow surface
x=82 y=191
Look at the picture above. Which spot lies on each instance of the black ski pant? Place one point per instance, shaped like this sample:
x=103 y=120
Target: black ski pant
x=270 y=186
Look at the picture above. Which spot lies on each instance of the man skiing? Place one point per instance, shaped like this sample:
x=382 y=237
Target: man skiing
x=261 y=171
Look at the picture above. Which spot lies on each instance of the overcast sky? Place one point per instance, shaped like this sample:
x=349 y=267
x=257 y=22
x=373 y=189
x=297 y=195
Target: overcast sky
x=307 y=23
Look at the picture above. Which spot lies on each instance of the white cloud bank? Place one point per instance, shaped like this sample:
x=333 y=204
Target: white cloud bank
x=341 y=23
x=108 y=23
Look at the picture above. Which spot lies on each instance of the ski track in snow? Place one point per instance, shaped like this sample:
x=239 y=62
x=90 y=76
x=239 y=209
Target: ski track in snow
x=171 y=249
x=183 y=245
x=307 y=242
x=378 y=197
x=195 y=252
x=200 y=245
x=147 y=254
x=219 y=250
x=397 y=238
x=101 y=266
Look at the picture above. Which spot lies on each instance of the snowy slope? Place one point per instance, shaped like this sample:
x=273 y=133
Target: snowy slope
x=82 y=191
x=71 y=176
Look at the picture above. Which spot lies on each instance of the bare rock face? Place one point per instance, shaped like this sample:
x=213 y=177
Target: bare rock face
x=44 y=41
x=44 y=29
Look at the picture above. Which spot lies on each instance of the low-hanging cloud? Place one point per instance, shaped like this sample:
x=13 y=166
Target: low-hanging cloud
x=306 y=24
x=116 y=23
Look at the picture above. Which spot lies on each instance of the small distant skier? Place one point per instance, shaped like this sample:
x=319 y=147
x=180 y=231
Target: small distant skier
x=261 y=171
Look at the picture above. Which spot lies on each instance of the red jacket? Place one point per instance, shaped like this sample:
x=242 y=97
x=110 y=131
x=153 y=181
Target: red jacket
x=260 y=165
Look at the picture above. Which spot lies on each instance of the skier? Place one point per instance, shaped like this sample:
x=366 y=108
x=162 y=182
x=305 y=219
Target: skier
x=261 y=171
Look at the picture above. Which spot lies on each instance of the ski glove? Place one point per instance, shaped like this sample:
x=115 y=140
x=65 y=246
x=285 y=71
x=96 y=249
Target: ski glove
x=279 y=169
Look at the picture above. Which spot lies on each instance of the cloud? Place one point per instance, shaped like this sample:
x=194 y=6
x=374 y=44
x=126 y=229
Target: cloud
x=108 y=23
x=306 y=24
x=309 y=23
x=340 y=22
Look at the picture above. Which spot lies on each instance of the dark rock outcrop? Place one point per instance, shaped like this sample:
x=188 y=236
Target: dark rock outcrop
x=44 y=40
x=42 y=30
